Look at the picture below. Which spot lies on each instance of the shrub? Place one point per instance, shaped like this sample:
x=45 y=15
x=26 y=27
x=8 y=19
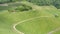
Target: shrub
x=23 y=8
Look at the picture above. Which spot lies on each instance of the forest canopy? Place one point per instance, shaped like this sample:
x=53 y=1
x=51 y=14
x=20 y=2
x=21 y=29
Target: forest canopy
x=56 y=3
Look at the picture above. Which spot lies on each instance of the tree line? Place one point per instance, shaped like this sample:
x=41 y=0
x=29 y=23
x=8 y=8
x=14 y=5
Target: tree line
x=6 y=1
x=56 y=3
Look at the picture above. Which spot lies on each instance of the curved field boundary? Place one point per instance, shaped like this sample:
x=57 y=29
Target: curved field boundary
x=19 y=32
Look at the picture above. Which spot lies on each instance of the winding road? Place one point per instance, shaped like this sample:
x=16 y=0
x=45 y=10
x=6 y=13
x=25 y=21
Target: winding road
x=19 y=32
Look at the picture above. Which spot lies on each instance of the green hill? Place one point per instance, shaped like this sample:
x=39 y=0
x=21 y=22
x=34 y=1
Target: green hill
x=42 y=25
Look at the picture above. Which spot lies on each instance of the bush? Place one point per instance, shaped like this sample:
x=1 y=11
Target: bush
x=56 y=15
x=11 y=10
x=23 y=8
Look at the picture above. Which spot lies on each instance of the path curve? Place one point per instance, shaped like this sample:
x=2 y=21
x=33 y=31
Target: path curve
x=51 y=32
x=19 y=32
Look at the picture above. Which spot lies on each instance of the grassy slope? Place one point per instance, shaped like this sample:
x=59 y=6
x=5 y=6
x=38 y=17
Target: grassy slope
x=58 y=32
x=41 y=25
x=8 y=19
x=38 y=26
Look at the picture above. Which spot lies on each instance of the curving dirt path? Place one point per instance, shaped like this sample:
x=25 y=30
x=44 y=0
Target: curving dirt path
x=51 y=32
x=19 y=32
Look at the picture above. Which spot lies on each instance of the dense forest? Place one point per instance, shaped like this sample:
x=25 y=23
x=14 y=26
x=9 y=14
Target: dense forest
x=56 y=3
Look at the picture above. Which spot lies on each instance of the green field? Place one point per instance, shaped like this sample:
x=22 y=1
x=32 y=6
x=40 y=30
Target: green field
x=40 y=25
x=45 y=22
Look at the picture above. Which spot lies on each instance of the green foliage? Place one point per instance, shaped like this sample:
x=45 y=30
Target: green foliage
x=23 y=8
x=7 y=1
x=19 y=8
x=11 y=10
x=56 y=3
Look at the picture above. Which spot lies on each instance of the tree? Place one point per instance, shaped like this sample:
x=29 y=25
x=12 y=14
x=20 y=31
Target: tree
x=11 y=0
x=56 y=3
